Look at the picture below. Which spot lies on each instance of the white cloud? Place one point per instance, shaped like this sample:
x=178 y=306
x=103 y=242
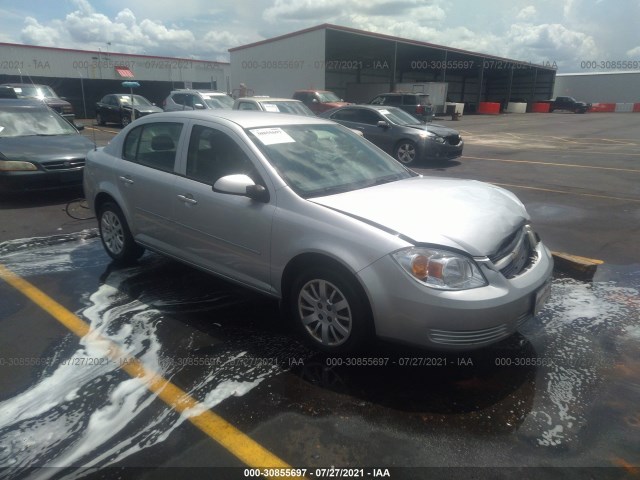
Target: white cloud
x=550 y=43
x=37 y=34
x=527 y=13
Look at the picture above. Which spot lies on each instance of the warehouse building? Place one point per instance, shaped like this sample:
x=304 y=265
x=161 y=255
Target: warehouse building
x=84 y=77
x=358 y=65
x=355 y=64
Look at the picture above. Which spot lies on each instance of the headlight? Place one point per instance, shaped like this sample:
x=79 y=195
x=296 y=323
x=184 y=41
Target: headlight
x=440 y=269
x=431 y=136
x=16 y=166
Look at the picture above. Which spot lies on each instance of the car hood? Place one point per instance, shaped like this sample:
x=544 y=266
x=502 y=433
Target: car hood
x=145 y=108
x=440 y=130
x=335 y=104
x=464 y=214
x=44 y=148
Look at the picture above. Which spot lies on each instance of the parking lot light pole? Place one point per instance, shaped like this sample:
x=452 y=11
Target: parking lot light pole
x=131 y=86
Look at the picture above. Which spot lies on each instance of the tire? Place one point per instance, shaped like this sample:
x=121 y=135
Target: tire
x=126 y=120
x=328 y=310
x=99 y=120
x=116 y=236
x=405 y=152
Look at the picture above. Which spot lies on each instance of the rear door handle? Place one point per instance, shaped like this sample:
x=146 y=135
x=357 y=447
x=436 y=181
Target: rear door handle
x=126 y=179
x=188 y=199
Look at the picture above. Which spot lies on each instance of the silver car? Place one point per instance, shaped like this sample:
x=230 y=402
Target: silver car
x=353 y=243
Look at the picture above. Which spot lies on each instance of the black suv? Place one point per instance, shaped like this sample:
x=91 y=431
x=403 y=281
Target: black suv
x=417 y=104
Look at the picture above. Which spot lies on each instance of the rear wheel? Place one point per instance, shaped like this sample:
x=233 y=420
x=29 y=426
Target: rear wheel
x=116 y=236
x=125 y=121
x=329 y=310
x=405 y=152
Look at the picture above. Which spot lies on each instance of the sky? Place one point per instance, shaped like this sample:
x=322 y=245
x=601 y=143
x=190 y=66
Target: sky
x=574 y=35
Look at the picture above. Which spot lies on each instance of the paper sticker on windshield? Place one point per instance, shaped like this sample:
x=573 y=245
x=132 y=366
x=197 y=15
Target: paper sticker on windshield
x=384 y=112
x=272 y=136
x=270 y=107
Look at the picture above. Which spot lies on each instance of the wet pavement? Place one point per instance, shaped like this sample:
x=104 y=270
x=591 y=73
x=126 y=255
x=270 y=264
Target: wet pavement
x=562 y=393
x=558 y=400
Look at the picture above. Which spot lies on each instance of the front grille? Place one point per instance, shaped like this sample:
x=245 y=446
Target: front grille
x=516 y=253
x=468 y=337
x=61 y=165
x=452 y=139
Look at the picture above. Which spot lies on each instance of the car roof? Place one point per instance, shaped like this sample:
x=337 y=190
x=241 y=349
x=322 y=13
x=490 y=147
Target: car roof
x=192 y=90
x=400 y=93
x=244 y=118
x=367 y=106
x=22 y=102
x=270 y=99
x=25 y=85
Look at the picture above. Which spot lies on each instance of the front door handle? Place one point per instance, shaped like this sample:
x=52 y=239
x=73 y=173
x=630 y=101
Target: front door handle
x=188 y=199
x=126 y=179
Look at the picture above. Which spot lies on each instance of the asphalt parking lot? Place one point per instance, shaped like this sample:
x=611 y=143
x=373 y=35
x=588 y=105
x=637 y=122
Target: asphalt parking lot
x=160 y=371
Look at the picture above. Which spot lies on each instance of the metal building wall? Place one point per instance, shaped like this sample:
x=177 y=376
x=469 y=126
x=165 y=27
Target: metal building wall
x=613 y=87
x=279 y=67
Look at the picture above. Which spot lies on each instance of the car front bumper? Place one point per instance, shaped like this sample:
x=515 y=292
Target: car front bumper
x=406 y=311
x=441 y=151
x=40 y=180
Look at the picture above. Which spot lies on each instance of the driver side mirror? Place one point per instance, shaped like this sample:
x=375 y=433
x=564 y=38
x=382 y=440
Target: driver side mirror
x=198 y=106
x=383 y=124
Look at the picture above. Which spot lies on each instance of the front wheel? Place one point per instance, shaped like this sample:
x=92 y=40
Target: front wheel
x=329 y=311
x=100 y=120
x=126 y=120
x=405 y=152
x=116 y=236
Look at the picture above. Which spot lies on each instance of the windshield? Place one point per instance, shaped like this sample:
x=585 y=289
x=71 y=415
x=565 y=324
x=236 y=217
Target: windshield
x=21 y=122
x=35 y=91
x=319 y=160
x=218 y=101
x=328 y=97
x=137 y=100
x=399 y=117
x=295 y=108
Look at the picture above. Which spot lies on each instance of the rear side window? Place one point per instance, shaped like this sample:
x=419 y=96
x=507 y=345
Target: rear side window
x=410 y=99
x=153 y=145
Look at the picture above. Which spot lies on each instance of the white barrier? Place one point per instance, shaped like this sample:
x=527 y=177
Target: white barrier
x=624 y=107
x=516 y=107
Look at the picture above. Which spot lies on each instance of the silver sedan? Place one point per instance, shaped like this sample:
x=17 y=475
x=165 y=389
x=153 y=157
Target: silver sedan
x=353 y=243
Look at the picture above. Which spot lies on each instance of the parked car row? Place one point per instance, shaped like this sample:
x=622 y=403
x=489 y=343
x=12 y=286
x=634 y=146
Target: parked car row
x=404 y=136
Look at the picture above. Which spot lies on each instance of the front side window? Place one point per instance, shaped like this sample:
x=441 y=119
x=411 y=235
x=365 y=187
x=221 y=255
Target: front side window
x=214 y=154
x=327 y=97
x=153 y=145
x=319 y=160
x=247 y=106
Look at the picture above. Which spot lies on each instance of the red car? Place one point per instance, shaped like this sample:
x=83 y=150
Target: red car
x=319 y=100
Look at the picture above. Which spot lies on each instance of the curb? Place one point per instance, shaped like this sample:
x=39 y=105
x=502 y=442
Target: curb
x=581 y=268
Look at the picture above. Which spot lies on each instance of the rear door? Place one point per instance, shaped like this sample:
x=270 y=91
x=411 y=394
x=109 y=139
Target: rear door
x=146 y=180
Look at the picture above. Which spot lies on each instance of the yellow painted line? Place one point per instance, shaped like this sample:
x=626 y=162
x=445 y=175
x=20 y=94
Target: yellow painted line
x=236 y=442
x=98 y=129
x=552 y=164
x=565 y=192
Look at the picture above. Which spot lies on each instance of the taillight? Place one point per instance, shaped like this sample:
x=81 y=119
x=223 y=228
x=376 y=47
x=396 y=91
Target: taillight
x=420 y=109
